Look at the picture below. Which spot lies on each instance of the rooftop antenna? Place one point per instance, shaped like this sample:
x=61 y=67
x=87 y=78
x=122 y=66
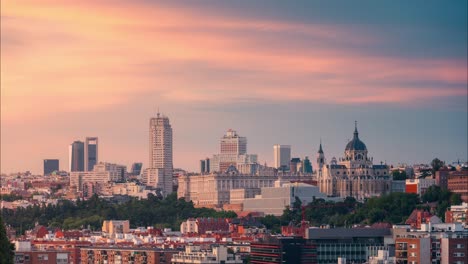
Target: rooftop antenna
x=158 y=112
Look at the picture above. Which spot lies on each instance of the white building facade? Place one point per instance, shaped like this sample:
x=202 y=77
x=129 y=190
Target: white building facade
x=233 y=151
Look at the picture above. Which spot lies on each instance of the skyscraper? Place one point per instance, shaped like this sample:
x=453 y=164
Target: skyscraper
x=159 y=172
x=76 y=156
x=282 y=156
x=50 y=165
x=233 y=144
x=90 y=153
x=136 y=168
x=233 y=151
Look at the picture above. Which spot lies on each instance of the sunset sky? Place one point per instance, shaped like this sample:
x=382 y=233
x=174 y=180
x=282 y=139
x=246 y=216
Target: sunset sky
x=278 y=72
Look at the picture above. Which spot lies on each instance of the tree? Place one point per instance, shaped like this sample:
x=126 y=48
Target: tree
x=399 y=175
x=7 y=252
x=436 y=165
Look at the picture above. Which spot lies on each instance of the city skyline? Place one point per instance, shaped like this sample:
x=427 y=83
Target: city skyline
x=276 y=73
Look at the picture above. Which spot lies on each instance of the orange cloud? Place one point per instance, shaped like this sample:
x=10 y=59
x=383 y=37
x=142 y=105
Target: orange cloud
x=83 y=55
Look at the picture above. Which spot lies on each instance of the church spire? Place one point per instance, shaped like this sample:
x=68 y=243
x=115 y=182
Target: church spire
x=320 y=148
x=356 y=133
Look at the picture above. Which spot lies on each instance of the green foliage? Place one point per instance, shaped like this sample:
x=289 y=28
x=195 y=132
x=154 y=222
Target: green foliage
x=272 y=223
x=392 y=208
x=169 y=212
x=6 y=248
x=11 y=197
x=444 y=197
x=399 y=175
x=436 y=164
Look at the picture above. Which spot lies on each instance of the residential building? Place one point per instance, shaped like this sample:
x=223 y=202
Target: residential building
x=194 y=254
x=25 y=254
x=413 y=249
x=419 y=186
x=283 y=250
x=281 y=157
x=126 y=255
x=160 y=171
x=90 y=153
x=76 y=156
x=354 y=175
x=399 y=186
x=457 y=182
x=102 y=172
x=454 y=249
x=441 y=177
x=50 y=165
x=457 y=214
x=204 y=225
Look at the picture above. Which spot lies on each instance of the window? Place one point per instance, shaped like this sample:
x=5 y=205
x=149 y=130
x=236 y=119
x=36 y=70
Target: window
x=413 y=254
x=460 y=246
x=458 y=254
x=43 y=257
x=413 y=246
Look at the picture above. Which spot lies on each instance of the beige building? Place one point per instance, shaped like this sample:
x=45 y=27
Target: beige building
x=195 y=255
x=273 y=200
x=102 y=172
x=116 y=226
x=215 y=189
x=354 y=175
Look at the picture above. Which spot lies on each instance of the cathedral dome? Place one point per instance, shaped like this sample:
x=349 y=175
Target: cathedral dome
x=356 y=143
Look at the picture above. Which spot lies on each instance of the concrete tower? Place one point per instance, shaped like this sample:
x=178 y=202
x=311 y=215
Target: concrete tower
x=159 y=172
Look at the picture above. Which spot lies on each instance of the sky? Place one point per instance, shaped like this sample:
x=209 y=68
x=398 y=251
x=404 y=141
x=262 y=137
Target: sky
x=278 y=72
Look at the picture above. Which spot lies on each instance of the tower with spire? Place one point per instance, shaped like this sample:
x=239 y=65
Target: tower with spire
x=354 y=175
x=320 y=159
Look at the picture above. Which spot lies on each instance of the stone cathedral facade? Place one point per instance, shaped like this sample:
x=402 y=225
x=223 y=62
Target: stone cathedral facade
x=353 y=175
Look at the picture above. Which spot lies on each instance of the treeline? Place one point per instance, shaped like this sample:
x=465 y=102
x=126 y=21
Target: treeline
x=168 y=212
x=393 y=208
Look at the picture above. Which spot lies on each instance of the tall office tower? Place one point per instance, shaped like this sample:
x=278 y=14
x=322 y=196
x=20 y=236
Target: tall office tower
x=202 y=166
x=207 y=165
x=159 y=172
x=50 y=165
x=233 y=144
x=282 y=156
x=76 y=156
x=306 y=165
x=233 y=151
x=136 y=168
x=90 y=153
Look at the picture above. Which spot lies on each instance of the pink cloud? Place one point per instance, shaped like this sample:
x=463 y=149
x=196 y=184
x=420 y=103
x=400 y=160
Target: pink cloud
x=81 y=57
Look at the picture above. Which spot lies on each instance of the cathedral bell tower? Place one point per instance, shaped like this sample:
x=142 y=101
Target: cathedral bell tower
x=320 y=159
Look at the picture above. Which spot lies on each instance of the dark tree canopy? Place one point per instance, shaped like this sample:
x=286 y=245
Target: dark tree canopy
x=6 y=248
x=168 y=212
x=399 y=175
x=436 y=164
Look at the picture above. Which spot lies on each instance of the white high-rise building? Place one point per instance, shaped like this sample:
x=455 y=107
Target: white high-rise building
x=282 y=156
x=159 y=172
x=233 y=151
